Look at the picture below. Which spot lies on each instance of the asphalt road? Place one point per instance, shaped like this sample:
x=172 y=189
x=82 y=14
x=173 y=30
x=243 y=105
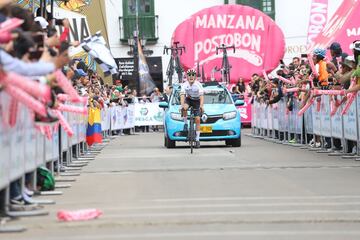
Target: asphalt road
x=259 y=191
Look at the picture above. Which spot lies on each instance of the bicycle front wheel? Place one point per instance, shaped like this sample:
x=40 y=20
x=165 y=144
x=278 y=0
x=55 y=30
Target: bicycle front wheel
x=191 y=134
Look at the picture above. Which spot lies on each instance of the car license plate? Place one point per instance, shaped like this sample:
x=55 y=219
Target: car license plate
x=206 y=129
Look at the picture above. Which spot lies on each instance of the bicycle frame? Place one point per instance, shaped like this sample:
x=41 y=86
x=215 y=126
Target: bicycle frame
x=174 y=63
x=225 y=65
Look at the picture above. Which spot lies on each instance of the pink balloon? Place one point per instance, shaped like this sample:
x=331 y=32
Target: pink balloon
x=24 y=98
x=351 y=98
x=286 y=80
x=288 y=90
x=32 y=87
x=66 y=86
x=64 y=97
x=79 y=215
x=63 y=122
x=329 y=92
x=306 y=107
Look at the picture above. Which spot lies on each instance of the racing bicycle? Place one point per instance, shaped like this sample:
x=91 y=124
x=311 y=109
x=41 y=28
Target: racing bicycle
x=225 y=65
x=174 y=63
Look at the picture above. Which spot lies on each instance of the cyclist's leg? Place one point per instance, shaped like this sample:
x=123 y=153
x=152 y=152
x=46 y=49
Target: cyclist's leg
x=196 y=106
x=184 y=113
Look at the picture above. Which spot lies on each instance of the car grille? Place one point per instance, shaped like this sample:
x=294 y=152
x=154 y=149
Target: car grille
x=215 y=133
x=211 y=119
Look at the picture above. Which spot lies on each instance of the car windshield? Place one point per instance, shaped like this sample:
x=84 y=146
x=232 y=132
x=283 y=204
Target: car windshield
x=211 y=96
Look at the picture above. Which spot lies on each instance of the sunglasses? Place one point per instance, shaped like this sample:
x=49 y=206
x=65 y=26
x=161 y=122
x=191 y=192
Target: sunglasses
x=192 y=74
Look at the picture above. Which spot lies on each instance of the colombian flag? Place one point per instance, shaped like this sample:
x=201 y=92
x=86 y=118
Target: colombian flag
x=93 y=131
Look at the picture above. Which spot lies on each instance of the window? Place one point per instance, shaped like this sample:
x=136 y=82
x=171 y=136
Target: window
x=266 y=6
x=145 y=6
x=147 y=21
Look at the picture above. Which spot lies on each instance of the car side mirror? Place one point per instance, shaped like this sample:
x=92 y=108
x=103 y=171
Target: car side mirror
x=163 y=104
x=239 y=102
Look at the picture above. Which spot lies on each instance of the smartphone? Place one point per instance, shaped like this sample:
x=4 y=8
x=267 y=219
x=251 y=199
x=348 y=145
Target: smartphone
x=59 y=22
x=39 y=40
x=304 y=55
x=35 y=55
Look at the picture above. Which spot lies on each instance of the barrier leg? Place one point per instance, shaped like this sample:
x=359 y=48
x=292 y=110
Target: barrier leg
x=4 y=220
x=21 y=210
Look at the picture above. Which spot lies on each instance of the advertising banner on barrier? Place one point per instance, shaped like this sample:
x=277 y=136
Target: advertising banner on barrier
x=292 y=119
x=147 y=114
x=245 y=111
x=253 y=113
x=264 y=122
x=64 y=136
x=55 y=145
x=17 y=146
x=48 y=149
x=30 y=144
x=350 y=123
x=258 y=115
x=336 y=124
x=299 y=120
x=4 y=148
x=275 y=114
x=325 y=116
x=105 y=119
x=122 y=117
x=316 y=120
x=270 y=118
x=308 y=118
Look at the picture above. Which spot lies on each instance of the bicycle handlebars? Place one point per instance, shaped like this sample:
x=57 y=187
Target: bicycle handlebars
x=174 y=49
x=224 y=48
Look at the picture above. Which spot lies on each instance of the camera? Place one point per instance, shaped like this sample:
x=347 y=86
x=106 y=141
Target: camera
x=59 y=22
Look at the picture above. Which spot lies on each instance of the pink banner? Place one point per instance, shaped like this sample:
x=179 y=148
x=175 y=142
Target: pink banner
x=318 y=18
x=245 y=111
x=259 y=42
x=343 y=27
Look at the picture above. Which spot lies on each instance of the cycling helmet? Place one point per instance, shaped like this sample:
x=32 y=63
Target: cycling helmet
x=191 y=72
x=320 y=52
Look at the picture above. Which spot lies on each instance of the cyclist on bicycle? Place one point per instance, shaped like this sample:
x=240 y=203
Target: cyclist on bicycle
x=192 y=94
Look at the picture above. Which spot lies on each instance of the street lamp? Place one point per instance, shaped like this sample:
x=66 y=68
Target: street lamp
x=134 y=52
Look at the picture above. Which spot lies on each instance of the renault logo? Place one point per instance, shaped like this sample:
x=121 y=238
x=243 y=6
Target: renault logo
x=204 y=117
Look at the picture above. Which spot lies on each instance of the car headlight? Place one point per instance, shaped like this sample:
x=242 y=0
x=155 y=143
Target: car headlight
x=229 y=115
x=176 y=116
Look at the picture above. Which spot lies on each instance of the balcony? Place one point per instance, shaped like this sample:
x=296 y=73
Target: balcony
x=148 y=28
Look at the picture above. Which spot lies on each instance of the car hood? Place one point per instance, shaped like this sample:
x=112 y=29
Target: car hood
x=211 y=109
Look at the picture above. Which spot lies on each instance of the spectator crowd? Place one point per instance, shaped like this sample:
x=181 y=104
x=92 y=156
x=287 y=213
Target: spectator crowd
x=328 y=71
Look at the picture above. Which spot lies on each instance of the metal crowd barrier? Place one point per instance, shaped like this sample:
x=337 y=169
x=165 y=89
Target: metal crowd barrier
x=276 y=123
x=23 y=149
